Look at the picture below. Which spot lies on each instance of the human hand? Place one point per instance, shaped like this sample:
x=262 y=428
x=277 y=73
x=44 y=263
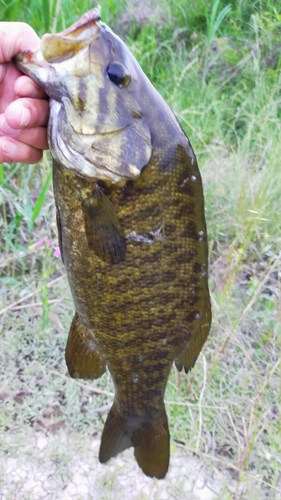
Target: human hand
x=24 y=108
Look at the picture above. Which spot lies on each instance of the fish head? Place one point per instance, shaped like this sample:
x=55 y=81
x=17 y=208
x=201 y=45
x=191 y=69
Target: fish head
x=97 y=126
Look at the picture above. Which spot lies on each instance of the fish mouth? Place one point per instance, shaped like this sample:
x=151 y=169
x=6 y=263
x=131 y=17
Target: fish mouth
x=66 y=44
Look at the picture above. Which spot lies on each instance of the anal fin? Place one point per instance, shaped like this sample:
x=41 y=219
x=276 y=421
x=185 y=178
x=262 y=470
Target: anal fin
x=186 y=360
x=189 y=355
x=82 y=357
x=103 y=231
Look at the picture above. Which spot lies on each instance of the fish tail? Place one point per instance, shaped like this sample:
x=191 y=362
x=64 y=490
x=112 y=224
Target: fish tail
x=150 y=439
x=115 y=437
x=152 y=446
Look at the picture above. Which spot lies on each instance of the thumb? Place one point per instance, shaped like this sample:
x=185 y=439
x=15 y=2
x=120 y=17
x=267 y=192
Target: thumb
x=16 y=37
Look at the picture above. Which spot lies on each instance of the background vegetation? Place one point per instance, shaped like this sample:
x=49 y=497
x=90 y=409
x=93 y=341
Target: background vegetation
x=217 y=63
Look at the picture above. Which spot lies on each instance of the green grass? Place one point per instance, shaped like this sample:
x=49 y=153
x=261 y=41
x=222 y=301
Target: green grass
x=219 y=69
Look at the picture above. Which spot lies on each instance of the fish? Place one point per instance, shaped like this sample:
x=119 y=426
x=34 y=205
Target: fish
x=131 y=227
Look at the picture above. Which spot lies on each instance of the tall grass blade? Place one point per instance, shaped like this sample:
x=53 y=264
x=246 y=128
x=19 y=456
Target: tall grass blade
x=223 y=13
x=41 y=198
x=46 y=14
x=104 y=11
x=1 y=173
x=211 y=22
x=214 y=22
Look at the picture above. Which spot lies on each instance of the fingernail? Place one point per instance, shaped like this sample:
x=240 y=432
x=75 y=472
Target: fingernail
x=8 y=147
x=25 y=117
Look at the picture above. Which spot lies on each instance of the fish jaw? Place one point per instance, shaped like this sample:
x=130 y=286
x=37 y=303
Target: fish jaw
x=33 y=64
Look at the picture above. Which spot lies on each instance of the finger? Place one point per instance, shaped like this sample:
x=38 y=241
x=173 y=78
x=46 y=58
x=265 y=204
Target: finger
x=16 y=37
x=27 y=112
x=9 y=76
x=25 y=87
x=5 y=129
x=13 y=151
x=35 y=137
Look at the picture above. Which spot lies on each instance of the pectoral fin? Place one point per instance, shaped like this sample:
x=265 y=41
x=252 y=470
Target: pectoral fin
x=82 y=357
x=103 y=231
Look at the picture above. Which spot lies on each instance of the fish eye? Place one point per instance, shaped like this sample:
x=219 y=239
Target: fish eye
x=118 y=74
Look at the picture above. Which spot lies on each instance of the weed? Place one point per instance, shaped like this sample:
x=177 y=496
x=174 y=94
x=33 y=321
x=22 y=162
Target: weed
x=213 y=23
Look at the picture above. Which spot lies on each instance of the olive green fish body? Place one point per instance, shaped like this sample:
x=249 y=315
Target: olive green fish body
x=145 y=311
x=133 y=240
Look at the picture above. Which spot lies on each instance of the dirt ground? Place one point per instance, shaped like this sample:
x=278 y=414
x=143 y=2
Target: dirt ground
x=39 y=473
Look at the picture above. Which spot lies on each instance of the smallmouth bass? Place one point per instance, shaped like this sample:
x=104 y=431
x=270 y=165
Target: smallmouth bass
x=132 y=232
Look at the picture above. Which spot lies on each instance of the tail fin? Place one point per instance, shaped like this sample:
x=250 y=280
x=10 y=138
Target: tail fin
x=150 y=439
x=152 y=447
x=115 y=437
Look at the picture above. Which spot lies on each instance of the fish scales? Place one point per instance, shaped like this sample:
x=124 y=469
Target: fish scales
x=132 y=232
